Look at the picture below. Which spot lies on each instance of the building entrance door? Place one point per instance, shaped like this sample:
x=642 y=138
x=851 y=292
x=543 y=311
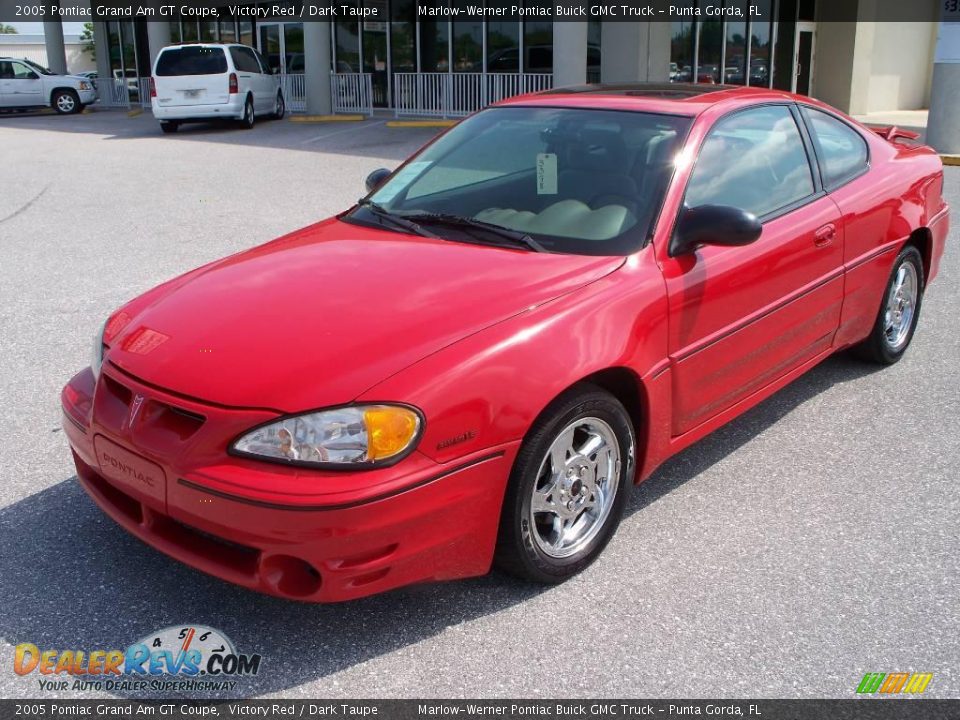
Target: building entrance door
x=803 y=57
x=281 y=43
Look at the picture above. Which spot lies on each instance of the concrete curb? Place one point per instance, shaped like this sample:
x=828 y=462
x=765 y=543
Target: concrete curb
x=326 y=118
x=421 y=123
x=950 y=159
x=134 y=112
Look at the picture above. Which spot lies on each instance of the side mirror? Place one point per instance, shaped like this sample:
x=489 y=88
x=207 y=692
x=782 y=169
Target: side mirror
x=713 y=225
x=376 y=178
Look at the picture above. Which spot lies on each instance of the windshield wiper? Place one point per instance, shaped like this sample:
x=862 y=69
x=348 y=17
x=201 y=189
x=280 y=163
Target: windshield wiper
x=513 y=238
x=398 y=221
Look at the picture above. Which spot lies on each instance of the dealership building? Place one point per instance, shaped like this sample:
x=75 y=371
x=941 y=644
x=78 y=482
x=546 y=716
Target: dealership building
x=448 y=68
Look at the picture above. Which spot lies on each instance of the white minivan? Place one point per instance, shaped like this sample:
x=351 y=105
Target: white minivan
x=206 y=81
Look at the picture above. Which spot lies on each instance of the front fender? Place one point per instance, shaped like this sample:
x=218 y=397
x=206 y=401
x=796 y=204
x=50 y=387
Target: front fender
x=487 y=389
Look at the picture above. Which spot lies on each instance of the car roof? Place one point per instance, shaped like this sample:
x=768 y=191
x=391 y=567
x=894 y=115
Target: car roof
x=175 y=46
x=669 y=98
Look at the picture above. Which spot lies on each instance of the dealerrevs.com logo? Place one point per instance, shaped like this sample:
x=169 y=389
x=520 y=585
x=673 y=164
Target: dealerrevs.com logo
x=178 y=658
x=894 y=683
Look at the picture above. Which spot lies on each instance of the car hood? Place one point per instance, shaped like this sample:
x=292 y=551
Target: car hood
x=317 y=317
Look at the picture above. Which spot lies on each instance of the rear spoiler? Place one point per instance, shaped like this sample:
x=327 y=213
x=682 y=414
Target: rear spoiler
x=892 y=132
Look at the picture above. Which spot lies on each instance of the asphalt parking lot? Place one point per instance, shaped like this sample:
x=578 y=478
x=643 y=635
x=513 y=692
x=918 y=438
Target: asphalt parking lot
x=809 y=542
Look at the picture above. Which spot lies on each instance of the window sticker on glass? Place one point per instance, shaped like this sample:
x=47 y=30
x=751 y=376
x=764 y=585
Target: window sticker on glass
x=401 y=181
x=546 y=174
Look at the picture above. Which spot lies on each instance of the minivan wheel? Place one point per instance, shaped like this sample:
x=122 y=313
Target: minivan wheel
x=248 y=118
x=280 y=108
x=568 y=487
x=899 y=311
x=169 y=126
x=66 y=102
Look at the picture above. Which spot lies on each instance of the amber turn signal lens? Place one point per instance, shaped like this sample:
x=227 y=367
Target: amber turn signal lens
x=390 y=430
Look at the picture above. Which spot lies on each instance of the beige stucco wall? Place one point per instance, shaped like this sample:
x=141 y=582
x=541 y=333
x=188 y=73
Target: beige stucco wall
x=869 y=66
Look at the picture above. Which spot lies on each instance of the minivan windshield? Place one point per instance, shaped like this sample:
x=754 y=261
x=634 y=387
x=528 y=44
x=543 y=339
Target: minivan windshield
x=191 y=60
x=579 y=181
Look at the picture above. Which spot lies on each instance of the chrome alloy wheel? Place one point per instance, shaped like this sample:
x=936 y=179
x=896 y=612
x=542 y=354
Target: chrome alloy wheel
x=66 y=103
x=901 y=306
x=575 y=488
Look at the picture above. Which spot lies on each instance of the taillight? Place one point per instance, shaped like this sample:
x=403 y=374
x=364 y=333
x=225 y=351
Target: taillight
x=153 y=88
x=234 y=86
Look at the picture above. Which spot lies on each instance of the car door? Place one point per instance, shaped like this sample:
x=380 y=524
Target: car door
x=271 y=82
x=20 y=85
x=250 y=69
x=742 y=317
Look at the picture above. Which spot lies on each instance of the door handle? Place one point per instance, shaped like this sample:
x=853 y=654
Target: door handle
x=825 y=235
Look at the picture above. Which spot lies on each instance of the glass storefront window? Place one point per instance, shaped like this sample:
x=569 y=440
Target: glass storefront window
x=208 y=31
x=402 y=35
x=783 y=49
x=468 y=47
x=708 y=52
x=246 y=31
x=228 y=31
x=174 y=31
x=681 y=51
x=594 y=35
x=538 y=46
x=503 y=47
x=760 y=46
x=188 y=30
x=435 y=46
x=348 y=46
x=735 y=47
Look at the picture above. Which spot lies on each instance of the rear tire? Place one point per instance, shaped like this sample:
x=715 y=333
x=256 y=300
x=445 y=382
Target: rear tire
x=248 y=120
x=899 y=311
x=169 y=126
x=66 y=102
x=568 y=487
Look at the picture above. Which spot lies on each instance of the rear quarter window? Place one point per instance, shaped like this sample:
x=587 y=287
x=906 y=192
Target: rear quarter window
x=842 y=151
x=191 y=61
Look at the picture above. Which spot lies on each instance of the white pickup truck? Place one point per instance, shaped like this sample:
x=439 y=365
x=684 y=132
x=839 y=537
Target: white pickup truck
x=24 y=84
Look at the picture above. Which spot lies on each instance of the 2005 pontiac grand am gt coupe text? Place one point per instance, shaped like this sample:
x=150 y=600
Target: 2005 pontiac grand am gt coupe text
x=474 y=363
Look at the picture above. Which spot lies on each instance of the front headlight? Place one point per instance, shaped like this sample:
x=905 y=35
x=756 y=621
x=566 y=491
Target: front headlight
x=349 y=436
x=84 y=85
x=96 y=356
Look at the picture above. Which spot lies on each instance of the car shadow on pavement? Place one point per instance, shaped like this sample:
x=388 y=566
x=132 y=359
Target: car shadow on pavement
x=367 y=138
x=72 y=579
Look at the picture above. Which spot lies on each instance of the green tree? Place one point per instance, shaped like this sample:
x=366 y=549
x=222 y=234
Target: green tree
x=8 y=30
x=87 y=37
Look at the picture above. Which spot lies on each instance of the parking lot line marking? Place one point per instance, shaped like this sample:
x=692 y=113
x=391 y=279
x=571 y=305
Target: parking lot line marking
x=365 y=126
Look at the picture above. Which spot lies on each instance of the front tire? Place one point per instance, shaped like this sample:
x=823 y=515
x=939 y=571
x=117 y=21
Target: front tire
x=280 y=109
x=66 y=102
x=899 y=312
x=568 y=487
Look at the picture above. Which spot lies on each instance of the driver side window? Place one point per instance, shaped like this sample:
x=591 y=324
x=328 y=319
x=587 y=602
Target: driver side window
x=753 y=160
x=22 y=72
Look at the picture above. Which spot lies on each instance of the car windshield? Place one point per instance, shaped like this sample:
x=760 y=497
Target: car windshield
x=578 y=181
x=191 y=60
x=39 y=68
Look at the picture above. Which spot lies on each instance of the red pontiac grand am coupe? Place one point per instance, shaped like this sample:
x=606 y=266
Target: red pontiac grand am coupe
x=474 y=363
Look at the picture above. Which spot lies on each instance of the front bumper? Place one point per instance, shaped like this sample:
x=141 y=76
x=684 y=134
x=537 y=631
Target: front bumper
x=87 y=97
x=303 y=535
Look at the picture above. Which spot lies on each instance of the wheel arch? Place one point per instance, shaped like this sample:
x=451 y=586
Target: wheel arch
x=922 y=239
x=63 y=88
x=627 y=387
